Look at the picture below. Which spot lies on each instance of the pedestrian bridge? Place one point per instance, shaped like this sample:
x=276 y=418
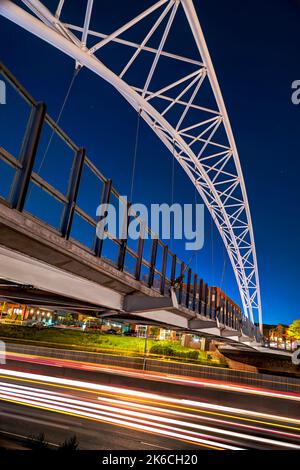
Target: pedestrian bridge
x=53 y=258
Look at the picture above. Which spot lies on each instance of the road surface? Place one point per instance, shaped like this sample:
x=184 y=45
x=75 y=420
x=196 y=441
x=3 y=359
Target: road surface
x=115 y=417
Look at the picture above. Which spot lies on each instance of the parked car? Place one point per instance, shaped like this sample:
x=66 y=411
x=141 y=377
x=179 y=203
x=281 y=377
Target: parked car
x=111 y=331
x=39 y=324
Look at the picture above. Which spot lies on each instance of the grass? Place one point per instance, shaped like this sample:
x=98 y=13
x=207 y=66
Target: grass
x=94 y=341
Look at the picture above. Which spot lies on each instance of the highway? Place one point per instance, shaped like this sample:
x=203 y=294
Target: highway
x=116 y=417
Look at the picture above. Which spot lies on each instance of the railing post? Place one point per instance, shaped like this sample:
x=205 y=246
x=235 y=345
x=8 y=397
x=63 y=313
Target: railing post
x=123 y=243
x=182 y=268
x=195 y=291
x=200 y=296
x=163 y=270
x=226 y=313
x=221 y=308
x=212 y=302
x=173 y=269
x=205 y=299
x=218 y=306
x=138 y=264
x=236 y=320
x=229 y=315
x=27 y=157
x=188 y=288
x=152 y=262
x=73 y=189
x=104 y=200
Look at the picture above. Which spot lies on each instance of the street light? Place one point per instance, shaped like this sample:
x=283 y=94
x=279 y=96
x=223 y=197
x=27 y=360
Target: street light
x=146 y=348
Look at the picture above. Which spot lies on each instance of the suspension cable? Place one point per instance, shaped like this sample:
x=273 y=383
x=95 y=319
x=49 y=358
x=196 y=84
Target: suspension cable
x=135 y=154
x=224 y=268
x=173 y=175
x=212 y=250
x=172 y=185
x=196 y=251
x=75 y=73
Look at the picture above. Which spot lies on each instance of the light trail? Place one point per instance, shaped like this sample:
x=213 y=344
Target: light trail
x=155 y=376
x=138 y=394
x=45 y=398
x=112 y=418
x=200 y=417
x=150 y=412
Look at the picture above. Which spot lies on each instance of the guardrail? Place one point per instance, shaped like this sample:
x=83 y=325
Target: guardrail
x=29 y=183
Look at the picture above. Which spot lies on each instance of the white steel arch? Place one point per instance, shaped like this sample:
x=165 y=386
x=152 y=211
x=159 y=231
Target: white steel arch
x=199 y=136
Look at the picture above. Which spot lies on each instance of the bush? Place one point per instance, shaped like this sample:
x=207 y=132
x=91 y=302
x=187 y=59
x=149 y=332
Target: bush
x=38 y=442
x=162 y=350
x=70 y=445
x=173 y=350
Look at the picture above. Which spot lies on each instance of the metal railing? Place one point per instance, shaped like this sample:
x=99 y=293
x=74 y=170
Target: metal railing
x=30 y=185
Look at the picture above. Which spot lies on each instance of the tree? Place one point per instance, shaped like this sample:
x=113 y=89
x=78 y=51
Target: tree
x=69 y=444
x=154 y=331
x=68 y=320
x=294 y=330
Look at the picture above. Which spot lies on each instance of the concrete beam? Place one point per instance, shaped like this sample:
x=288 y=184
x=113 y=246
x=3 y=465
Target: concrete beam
x=163 y=310
x=198 y=324
x=246 y=343
x=137 y=303
x=23 y=269
x=164 y=316
x=246 y=339
x=226 y=333
x=234 y=338
x=211 y=331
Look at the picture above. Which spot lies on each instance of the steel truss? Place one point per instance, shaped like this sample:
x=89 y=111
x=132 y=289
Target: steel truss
x=198 y=136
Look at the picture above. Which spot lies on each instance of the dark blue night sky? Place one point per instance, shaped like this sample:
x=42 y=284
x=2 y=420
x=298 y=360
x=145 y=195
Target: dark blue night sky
x=254 y=46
